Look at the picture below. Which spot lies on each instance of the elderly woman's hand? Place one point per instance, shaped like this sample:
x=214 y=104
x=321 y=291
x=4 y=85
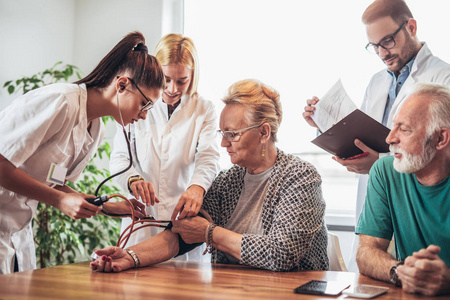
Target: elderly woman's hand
x=112 y=259
x=190 y=202
x=191 y=230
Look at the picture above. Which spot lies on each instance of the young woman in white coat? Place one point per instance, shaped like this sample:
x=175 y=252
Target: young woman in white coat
x=176 y=149
x=50 y=134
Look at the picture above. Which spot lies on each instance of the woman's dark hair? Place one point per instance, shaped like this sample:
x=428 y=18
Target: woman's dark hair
x=129 y=55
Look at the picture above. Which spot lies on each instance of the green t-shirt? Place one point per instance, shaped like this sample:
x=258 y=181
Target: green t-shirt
x=398 y=204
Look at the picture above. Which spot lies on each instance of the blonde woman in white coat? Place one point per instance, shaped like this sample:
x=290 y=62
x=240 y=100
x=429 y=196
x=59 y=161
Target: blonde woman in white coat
x=176 y=149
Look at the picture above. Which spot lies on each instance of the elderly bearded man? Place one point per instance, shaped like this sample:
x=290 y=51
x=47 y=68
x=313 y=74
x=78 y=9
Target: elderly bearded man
x=409 y=197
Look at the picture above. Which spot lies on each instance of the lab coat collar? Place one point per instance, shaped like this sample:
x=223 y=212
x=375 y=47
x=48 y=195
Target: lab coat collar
x=421 y=57
x=161 y=105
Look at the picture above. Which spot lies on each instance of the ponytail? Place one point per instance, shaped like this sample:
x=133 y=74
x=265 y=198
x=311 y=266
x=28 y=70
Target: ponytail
x=129 y=55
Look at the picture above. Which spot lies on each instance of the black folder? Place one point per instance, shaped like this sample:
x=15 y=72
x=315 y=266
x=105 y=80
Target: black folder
x=339 y=139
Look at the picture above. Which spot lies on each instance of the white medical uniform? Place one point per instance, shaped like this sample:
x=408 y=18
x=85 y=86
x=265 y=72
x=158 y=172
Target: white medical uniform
x=426 y=68
x=47 y=125
x=172 y=154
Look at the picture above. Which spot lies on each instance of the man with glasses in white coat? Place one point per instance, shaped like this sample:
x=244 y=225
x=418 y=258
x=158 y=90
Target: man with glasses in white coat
x=392 y=35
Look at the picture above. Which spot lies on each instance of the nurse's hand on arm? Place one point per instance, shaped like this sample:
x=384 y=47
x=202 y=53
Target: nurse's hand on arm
x=144 y=190
x=309 y=111
x=360 y=165
x=425 y=273
x=72 y=204
x=193 y=230
x=189 y=203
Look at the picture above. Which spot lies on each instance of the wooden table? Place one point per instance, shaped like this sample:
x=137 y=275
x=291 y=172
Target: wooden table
x=174 y=280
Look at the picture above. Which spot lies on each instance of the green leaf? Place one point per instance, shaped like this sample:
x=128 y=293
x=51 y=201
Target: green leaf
x=10 y=89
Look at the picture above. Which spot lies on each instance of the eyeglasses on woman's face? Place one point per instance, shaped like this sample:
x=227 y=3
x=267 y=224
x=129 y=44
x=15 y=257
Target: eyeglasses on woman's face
x=148 y=104
x=235 y=135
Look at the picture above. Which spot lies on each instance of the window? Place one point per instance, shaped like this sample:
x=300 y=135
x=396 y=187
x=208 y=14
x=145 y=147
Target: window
x=301 y=49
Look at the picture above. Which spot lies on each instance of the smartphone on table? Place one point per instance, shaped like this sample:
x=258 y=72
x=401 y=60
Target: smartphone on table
x=365 y=291
x=317 y=287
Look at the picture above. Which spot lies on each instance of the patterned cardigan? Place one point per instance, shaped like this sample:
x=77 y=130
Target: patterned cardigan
x=295 y=236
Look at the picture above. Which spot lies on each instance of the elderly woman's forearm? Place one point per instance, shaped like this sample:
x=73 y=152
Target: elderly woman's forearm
x=159 y=248
x=227 y=241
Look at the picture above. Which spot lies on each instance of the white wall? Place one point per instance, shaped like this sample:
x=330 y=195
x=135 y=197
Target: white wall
x=34 y=35
x=101 y=24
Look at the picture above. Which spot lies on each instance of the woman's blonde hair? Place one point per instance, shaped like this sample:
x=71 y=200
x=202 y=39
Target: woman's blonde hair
x=177 y=49
x=261 y=101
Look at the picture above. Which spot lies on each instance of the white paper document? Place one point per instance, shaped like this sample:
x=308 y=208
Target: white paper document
x=333 y=107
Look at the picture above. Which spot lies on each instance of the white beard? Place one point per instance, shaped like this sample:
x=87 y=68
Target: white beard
x=412 y=163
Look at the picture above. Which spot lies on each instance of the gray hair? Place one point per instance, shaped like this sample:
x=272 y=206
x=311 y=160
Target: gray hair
x=439 y=105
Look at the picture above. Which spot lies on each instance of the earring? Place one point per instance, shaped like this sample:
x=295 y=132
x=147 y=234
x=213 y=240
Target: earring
x=263 y=151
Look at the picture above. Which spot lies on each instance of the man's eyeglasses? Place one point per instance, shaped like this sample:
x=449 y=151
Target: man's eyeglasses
x=149 y=103
x=386 y=43
x=235 y=135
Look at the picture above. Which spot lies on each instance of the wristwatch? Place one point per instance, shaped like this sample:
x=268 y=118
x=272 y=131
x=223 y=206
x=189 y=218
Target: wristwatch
x=394 y=276
x=133 y=179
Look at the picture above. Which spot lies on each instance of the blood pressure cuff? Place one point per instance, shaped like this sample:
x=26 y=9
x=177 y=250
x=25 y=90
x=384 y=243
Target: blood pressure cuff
x=183 y=246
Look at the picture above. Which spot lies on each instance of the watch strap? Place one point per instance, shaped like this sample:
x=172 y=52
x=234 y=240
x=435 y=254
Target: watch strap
x=133 y=179
x=393 y=274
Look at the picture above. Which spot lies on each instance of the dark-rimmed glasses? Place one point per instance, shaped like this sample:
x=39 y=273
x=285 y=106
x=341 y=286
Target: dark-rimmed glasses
x=386 y=43
x=235 y=135
x=147 y=106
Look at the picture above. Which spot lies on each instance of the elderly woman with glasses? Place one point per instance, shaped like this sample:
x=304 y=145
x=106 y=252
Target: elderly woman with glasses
x=267 y=211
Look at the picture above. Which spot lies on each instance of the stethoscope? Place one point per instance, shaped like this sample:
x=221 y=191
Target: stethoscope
x=99 y=200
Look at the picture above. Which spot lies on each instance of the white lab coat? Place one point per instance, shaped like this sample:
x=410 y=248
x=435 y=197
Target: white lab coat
x=172 y=154
x=44 y=126
x=426 y=68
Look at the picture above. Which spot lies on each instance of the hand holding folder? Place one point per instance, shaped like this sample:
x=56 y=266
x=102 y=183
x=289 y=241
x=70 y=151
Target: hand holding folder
x=339 y=138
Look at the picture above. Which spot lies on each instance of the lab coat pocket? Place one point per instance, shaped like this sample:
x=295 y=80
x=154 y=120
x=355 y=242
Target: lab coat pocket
x=38 y=165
